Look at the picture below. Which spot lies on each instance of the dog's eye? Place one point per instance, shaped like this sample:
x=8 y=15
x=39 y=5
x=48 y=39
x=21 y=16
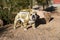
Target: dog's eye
x=30 y=14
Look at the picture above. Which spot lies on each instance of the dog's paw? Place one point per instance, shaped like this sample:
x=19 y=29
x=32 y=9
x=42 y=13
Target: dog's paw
x=14 y=28
x=25 y=29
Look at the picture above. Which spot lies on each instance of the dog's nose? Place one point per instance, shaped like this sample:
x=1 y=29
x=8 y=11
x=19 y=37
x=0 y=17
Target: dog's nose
x=33 y=16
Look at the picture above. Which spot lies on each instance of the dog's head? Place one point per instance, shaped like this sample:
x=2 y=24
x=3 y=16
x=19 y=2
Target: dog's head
x=33 y=16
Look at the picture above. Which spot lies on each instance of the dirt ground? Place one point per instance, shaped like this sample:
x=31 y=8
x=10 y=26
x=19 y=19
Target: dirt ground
x=50 y=31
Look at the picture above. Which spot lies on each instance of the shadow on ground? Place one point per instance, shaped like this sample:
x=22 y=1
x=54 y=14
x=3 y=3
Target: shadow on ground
x=41 y=21
x=4 y=30
x=50 y=9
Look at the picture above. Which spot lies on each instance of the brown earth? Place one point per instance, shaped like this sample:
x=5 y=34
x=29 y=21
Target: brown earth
x=50 y=31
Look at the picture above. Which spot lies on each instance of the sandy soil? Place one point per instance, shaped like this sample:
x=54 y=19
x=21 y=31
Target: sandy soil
x=50 y=31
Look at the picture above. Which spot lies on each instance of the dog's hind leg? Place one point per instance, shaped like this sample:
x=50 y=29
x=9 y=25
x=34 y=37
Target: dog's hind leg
x=33 y=26
x=15 y=21
x=15 y=24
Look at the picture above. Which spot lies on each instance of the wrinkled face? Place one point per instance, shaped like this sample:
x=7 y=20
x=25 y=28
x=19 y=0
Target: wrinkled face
x=33 y=16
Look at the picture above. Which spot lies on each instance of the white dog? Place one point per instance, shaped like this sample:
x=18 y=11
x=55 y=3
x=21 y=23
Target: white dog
x=26 y=18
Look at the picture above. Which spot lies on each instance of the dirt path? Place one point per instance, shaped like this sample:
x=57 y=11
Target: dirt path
x=50 y=31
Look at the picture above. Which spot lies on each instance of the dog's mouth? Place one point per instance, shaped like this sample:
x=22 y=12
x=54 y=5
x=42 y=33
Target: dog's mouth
x=33 y=17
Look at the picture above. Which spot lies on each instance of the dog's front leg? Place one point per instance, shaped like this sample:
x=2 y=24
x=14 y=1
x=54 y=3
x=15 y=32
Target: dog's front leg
x=33 y=26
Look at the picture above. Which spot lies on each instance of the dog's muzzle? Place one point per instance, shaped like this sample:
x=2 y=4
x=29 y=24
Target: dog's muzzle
x=33 y=17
